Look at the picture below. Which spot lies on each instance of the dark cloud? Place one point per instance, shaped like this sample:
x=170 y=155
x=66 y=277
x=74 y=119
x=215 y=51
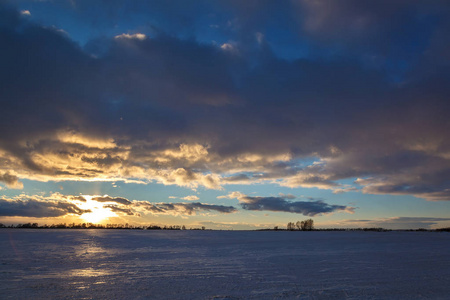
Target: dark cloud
x=186 y=208
x=400 y=222
x=115 y=208
x=118 y=200
x=38 y=208
x=237 y=178
x=307 y=208
x=78 y=198
x=11 y=181
x=183 y=111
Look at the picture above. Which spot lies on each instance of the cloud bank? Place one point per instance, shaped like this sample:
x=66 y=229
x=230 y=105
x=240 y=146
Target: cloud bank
x=399 y=222
x=359 y=102
x=285 y=203
x=38 y=207
x=185 y=208
x=58 y=205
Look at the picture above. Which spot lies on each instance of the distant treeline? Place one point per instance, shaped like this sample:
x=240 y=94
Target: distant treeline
x=99 y=226
x=308 y=226
x=377 y=229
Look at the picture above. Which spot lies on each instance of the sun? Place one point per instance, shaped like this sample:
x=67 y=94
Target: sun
x=98 y=213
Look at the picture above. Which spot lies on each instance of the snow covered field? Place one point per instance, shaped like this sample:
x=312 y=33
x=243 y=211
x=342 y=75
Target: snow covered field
x=126 y=264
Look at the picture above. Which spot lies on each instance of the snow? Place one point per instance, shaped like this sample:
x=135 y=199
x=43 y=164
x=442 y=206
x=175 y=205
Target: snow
x=132 y=264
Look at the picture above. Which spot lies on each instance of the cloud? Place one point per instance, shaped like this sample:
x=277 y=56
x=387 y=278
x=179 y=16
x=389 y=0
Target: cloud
x=283 y=204
x=135 y=207
x=236 y=179
x=191 y=198
x=232 y=195
x=77 y=198
x=118 y=200
x=344 y=190
x=188 y=178
x=403 y=188
x=138 y=36
x=115 y=208
x=286 y=196
x=36 y=207
x=370 y=28
x=408 y=185
x=230 y=48
x=25 y=13
x=76 y=138
x=310 y=181
x=11 y=181
x=57 y=205
x=347 y=108
x=400 y=222
x=307 y=208
x=184 y=208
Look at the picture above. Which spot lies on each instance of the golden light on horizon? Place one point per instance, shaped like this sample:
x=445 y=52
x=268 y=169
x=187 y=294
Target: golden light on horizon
x=98 y=212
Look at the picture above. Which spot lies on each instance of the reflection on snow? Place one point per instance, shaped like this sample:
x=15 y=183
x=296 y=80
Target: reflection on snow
x=105 y=264
x=88 y=272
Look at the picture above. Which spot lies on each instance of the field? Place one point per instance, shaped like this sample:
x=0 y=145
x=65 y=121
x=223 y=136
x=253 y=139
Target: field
x=127 y=264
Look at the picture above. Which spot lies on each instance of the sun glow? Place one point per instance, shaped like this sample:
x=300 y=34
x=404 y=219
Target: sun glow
x=98 y=213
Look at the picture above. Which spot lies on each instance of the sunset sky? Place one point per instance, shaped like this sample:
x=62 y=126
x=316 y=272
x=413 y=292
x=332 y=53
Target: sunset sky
x=225 y=114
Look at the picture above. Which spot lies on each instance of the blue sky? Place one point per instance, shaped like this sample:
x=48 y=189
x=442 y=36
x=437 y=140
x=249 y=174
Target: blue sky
x=227 y=114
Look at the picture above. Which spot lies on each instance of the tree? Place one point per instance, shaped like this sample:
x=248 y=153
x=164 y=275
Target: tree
x=307 y=225
x=291 y=226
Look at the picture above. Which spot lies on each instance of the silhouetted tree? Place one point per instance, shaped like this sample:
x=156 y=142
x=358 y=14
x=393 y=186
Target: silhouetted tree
x=307 y=225
x=291 y=226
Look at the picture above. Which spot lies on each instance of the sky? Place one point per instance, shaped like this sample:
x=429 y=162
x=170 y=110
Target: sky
x=225 y=114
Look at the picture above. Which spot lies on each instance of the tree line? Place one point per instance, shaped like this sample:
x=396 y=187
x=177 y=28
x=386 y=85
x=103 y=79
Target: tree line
x=100 y=226
x=306 y=225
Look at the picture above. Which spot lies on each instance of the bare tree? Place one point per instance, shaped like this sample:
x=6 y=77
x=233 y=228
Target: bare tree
x=307 y=225
x=291 y=226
